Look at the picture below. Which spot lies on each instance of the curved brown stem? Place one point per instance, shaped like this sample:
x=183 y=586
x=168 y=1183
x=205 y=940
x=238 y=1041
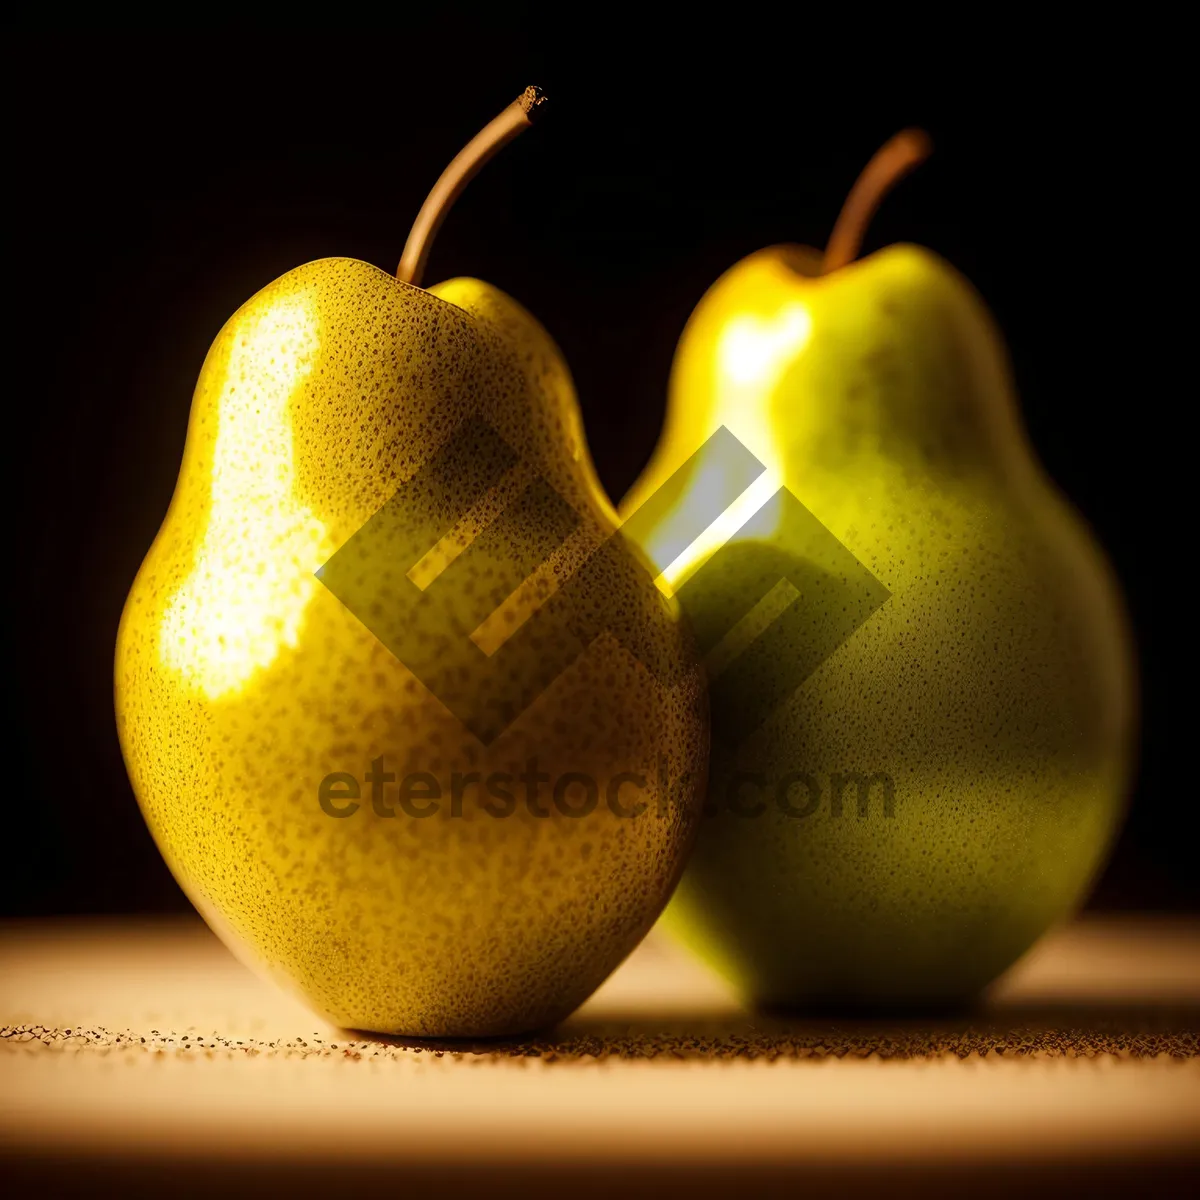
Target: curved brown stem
x=891 y=163
x=498 y=132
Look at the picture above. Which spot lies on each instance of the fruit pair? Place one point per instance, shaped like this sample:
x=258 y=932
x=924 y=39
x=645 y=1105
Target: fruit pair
x=420 y=736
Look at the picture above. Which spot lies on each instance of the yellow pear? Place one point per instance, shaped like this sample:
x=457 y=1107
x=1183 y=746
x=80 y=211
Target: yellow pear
x=442 y=843
x=921 y=681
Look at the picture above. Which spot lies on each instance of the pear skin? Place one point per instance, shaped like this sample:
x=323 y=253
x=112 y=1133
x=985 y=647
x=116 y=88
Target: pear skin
x=945 y=781
x=329 y=815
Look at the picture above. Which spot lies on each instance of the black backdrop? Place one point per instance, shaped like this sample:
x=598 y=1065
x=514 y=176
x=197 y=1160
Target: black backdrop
x=158 y=183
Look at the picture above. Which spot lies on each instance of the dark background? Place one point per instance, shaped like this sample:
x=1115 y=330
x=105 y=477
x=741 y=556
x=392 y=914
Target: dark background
x=157 y=183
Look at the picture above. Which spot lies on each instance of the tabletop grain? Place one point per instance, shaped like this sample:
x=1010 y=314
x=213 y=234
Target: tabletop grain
x=142 y=1055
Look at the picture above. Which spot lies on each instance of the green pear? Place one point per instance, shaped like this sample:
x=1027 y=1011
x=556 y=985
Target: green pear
x=441 y=843
x=922 y=744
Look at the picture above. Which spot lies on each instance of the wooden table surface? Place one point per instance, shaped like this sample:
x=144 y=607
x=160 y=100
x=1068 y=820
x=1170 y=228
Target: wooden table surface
x=142 y=1056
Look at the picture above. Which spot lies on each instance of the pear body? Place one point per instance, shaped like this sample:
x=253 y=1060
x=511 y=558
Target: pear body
x=944 y=782
x=480 y=901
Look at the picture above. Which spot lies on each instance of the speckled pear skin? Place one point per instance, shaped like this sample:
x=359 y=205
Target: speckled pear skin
x=994 y=687
x=241 y=681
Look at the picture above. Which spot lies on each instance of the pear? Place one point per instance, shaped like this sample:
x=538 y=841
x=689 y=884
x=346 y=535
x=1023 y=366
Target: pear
x=944 y=756
x=413 y=850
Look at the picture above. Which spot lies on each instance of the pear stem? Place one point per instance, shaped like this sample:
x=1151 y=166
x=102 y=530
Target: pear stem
x=892 y=161
x=498 y=132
